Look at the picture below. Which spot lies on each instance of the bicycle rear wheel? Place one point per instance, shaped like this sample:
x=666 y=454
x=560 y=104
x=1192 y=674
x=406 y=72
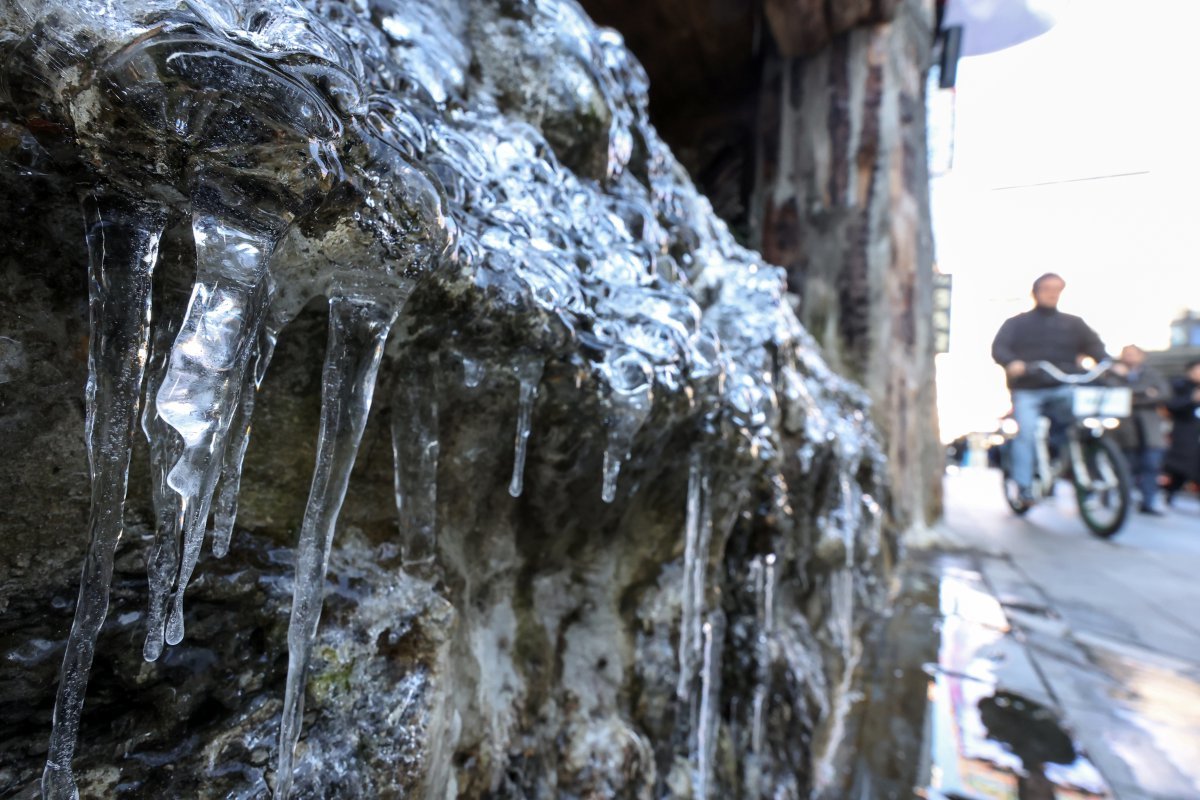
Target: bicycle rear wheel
x=1102 y=489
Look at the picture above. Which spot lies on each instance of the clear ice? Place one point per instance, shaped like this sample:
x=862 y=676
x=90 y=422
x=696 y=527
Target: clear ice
x=226 y=503
x=358 y=329
x=123 y=238
x=206 y=372
x=415 y=449
x=694 y=562
x=529 y=372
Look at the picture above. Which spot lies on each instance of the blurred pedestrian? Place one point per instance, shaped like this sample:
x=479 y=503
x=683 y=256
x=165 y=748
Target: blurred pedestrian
x=1182 y=463
x=1141 y=435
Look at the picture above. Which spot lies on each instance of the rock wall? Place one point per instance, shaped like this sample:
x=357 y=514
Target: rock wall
x=402 y=317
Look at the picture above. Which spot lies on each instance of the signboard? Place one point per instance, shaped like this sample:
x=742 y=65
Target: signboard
x=942 y=283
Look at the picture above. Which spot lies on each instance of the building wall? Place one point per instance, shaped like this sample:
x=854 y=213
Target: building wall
x=841 y=200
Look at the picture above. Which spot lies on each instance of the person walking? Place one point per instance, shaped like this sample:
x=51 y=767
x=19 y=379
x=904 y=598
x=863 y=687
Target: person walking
x=1041 y=334
x=1141 y=434
x=1182 y=463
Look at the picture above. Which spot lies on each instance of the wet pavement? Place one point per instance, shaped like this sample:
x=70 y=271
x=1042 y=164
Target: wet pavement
x=1053 y=664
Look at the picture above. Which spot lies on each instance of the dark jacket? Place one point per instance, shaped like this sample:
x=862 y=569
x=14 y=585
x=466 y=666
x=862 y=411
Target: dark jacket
x=1044 y=334
x=1183 y=457
x=1144 y=427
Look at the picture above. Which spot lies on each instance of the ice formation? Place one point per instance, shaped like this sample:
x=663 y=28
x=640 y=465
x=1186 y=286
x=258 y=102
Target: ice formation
x=345 y=150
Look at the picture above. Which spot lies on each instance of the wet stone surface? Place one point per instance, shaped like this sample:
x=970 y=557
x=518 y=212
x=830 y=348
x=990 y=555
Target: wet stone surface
x=1102 y=623
x=957 y=708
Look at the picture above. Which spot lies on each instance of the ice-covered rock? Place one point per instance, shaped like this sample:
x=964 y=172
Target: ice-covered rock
x=616 y=600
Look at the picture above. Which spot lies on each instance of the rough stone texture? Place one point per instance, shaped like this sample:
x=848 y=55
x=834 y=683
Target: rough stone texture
x=843 y=204
x=542 y=651
x=539 y=653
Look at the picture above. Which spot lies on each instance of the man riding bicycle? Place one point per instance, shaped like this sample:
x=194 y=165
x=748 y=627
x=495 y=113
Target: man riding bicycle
x=1041 y=334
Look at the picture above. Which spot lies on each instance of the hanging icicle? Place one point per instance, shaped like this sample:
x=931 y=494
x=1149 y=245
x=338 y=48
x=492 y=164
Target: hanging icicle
x=529 y=373
x=630 y=379
x=226 y=503
x=693 y=603
x=415 y=449
x=358 y=329
x=205 y=375
x=162 y=563
x=713 y=633
x=123 y=238
x=764 y=592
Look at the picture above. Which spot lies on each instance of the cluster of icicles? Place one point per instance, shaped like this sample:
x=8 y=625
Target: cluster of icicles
x=340 y=150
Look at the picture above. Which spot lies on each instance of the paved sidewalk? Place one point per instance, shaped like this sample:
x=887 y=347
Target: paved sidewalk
x=1106 y=634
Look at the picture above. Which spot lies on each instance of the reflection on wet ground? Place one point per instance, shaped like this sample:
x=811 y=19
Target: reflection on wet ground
x=986 y=736
x=976 y=694
x=1107 y=628
x=1160 y=697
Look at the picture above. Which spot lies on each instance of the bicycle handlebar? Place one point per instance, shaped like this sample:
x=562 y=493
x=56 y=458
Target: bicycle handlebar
x=1065 y=377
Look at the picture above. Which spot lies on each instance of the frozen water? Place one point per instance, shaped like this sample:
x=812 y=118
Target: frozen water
x=529 y=372
x=123 y=238
x=415 y=449
x=225 y=505
x=694 y=560
x=206 y=372
x=358 y=329
x=630 y=379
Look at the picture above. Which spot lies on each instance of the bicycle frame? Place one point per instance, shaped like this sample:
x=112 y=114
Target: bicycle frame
x=1094 y=464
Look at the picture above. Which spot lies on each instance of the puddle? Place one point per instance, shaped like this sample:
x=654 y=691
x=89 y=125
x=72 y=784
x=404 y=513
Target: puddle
x=965 y=721
x=984 y=741
x=983 y=745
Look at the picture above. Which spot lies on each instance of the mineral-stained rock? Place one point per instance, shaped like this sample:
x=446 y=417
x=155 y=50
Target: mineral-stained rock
x=633 y=527
x=843 y=206
x=805 y=27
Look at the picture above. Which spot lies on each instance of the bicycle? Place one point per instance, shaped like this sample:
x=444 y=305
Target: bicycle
x=1092 y=462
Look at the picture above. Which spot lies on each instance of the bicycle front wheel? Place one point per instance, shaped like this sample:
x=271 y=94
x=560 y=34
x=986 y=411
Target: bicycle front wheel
x=1011 y=491
x=1102 y=486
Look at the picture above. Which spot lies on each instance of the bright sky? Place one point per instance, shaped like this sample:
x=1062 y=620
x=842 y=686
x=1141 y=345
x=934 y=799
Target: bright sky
x=1111 y=89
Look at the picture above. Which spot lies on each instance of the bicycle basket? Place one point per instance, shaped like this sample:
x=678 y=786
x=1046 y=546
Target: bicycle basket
x=1101 y=401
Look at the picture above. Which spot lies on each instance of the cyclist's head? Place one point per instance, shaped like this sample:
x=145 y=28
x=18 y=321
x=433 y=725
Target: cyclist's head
x=1193 y=370
x=1133 y=355
x=1047 y=289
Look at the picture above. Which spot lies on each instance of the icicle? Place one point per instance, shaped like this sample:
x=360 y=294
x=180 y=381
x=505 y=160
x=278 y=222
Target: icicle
x=689 y=624
x=765 y=592
x=415 y=450
x=841 y=609
x=529 y=373
x=123 y=238
x=357 y=331
x=205 y=374
x=165 y=449
x=225 y=506
x=710 y=687
x=612 y=471
x=630 y=379
x=698 y=578
x=768 y=607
